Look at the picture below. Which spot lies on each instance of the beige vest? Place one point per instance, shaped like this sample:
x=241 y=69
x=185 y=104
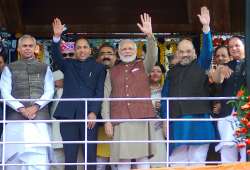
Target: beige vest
x=130 y=80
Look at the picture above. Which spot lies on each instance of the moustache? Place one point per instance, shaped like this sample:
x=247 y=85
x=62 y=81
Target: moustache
x=106 y=59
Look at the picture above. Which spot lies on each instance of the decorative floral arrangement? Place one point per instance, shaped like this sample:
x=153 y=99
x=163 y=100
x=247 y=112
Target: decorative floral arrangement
x=242 y=113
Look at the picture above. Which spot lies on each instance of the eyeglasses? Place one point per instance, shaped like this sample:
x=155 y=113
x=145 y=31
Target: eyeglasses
x=67 y=55
x=106 y=53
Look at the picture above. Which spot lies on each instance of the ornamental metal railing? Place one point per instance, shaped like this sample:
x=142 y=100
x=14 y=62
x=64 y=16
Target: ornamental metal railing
x=86 y=141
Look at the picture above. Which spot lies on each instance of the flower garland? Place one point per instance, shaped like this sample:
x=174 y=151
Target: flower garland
x=242 y=113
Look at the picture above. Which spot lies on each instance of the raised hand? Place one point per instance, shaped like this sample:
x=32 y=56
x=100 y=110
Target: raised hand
x=145 y=26
x=57 y=27
x=204 y=16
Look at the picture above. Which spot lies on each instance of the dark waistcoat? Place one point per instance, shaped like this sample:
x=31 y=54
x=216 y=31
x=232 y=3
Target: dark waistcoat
x=188 y=81
x=27 y=83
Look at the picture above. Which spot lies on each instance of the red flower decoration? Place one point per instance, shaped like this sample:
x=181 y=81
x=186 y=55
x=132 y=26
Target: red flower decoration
x=244 y=120
x=247 y=141
x=248 y=115
x=240 y=93
x=242 y=113
x=243 y=130
x=248 y=151
x=241 y=145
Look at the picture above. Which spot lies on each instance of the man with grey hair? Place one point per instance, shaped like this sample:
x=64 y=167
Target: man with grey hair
x=232 y=77
x=27 y=79
x=129 y=79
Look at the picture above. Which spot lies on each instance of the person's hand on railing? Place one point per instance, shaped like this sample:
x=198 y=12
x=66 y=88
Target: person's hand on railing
x=91 y=116
x=108 y=129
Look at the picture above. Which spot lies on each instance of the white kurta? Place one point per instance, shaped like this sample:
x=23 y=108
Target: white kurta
x=230 y=124
x=27 y=132
x=31 y=133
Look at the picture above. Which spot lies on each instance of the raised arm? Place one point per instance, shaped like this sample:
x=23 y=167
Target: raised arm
x=56 y=52
x=164 y=93
x=152 y=50
x=205 y=58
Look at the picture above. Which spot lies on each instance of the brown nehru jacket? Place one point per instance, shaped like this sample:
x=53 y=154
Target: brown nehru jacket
x=130 y=80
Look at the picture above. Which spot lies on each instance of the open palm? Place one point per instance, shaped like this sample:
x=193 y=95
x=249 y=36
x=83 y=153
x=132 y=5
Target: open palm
x=145 y=26
x=57 y=27
x=204 y=16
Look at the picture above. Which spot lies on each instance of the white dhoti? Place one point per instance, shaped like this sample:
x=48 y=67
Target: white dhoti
x=229 y=150
x=189 y=155
x=29 y=153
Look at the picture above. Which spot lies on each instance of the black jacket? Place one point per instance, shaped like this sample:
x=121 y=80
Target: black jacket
x=188 y=81
x=82 y=79
x=232 y=85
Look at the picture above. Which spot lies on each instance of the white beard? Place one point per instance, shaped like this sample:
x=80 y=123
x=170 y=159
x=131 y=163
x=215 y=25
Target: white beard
x=127 y=59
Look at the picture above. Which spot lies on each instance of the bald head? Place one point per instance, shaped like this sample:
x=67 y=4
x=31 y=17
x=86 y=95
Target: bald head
x=185 y=52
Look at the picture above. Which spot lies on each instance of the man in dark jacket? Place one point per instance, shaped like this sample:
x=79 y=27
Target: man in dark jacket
x=231 y=76
x=188 y=78
x=83 y=78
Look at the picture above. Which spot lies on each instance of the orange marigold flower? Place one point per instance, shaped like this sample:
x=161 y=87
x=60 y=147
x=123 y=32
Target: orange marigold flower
x=240 y=93
x=245 y=106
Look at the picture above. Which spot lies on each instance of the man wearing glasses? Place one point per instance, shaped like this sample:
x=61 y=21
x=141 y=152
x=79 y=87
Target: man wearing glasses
x=107 y=57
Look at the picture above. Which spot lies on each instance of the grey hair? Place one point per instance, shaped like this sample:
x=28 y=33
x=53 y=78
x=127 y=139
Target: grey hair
x=122 y=42
x=26 y=36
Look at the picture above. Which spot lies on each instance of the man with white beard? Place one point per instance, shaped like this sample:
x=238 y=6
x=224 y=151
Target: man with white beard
x=129 y=79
